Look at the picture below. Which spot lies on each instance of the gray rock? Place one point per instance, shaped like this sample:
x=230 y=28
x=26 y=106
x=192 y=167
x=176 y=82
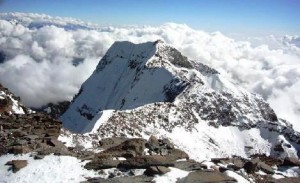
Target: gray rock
x=206 y=177
x=146 y=162
x=152 y=140
x=127 y=149
x=176 y=154
x=110 y=142
x=189 y=165
x=238 y=162
x=266 y=168
x=31 y=137
x=102 y=164
x=19 y=149
x=18 y=164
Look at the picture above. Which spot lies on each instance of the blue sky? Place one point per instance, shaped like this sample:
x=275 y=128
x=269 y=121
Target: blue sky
x=228 y=16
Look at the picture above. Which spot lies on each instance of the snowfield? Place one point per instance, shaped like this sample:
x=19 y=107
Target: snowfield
x=51 y=169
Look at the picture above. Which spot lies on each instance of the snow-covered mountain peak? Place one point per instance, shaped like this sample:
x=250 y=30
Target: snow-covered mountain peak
x=129 y=76
x=149 y=54
x=142 y=89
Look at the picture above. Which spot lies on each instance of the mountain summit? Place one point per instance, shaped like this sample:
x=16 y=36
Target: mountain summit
x=138 y=90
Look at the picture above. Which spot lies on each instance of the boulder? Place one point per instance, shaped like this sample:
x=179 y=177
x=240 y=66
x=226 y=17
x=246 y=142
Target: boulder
x=110 y=142
x=206 y=177
x=57 y=149
x=251 y=166
x=266 y=168
x=145 y=162
x=238 y=162
x=153 y=140
x=127 y=149
x=176 y=154
x=189 y=165
x=102 y=164
x=156 y=170
x=137 y=145
x=159 y=146
x=18 y=164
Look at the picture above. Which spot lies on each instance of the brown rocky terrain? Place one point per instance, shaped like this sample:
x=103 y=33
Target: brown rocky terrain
x=37 y=134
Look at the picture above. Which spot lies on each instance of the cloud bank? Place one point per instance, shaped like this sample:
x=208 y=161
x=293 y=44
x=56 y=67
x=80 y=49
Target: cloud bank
x=46 y=59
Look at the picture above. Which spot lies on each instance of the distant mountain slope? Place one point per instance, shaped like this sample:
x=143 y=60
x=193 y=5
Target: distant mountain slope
x=151 y=88
x=9 y=104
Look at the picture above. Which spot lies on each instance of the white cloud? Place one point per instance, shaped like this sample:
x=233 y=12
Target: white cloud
x=39 y=58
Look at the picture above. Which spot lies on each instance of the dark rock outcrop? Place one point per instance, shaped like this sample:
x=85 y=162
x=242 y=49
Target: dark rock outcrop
x=156 y=170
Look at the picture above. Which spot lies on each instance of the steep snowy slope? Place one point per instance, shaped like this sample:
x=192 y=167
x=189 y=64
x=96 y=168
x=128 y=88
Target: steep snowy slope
x=9 y=104
x=151 y=88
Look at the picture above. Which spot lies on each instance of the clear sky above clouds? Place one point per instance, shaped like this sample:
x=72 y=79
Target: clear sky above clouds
x=248 y=16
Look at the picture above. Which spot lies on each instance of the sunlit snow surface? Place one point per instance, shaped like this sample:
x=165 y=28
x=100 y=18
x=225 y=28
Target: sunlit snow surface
x=51 y=169
x=172 y=176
